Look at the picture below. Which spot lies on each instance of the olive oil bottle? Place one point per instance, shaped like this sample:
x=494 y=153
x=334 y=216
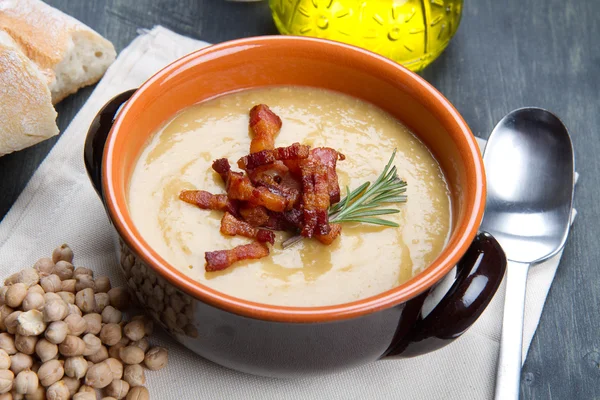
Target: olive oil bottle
x=411 y=32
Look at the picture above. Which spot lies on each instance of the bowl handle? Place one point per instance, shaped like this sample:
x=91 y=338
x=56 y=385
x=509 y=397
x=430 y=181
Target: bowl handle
x=96 y=138
x=478 y=275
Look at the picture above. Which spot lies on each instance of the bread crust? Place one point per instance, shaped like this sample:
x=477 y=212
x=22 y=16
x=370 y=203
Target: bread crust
x=26 y=110
x=62 y=47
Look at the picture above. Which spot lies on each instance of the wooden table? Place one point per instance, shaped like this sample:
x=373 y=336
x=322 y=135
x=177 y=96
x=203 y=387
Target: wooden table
x=506 y=54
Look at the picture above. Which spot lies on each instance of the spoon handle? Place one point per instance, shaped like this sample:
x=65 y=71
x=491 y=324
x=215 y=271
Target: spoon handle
x=508 y=378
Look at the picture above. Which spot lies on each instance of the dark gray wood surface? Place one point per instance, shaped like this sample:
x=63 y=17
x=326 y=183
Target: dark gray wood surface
x=506 y=54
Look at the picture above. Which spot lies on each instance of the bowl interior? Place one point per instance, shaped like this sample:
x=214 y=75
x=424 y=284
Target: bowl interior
x=267 y=61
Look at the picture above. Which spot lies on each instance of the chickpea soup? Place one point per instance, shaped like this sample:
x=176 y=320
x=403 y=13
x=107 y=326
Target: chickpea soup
x=363 y=261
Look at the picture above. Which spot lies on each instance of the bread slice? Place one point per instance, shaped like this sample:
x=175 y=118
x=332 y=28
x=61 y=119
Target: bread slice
x=26 y=112
x=68 y=53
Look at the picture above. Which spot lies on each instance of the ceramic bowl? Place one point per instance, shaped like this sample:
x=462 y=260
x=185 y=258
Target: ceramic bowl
x=290 y=341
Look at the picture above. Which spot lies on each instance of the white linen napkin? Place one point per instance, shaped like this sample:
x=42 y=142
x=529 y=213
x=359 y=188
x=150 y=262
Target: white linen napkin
x=59 y=205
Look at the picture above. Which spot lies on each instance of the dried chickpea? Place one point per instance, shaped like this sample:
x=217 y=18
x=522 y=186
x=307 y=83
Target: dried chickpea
x=72 y=346
x=119 y=297
x=102 y=284
x=33 y=301
x=31 y=323
x=115 y=366
x=99 y=356
x=5 y=311
x=68 y=285
x=117 y=389
x=51 y=283
x=14 y=278
x=56 y=332
x=76 y=324
x=132 y=355
x=51 y=296
x=115 y=350
x=36 y=289
x=102 y=300
x=85 y=300
x=7 y=343
x=26 y=382
x=11 y=322
x=135 y=330
x=86 y=389
x=26 y=344
x=98 y=376
x=6 y=380
x=3 y=291
x=62 y=253
x=29 y=277
x=8 y=396
x=15 y=295
x=67 y=297
x=83 y=281
x=73 y=384
x=39 y=394
x=55 y=310
x=73 y=309
x=76 y=367
x=110 y=334
x=44 y=266
x=156 y=358
x=108 y=398
x=142 y=344
x=4 y=360
x=138 y=393
x=19 y=362
x=83 y=271
x=92 y=344
x=58 y=391
x=45 y=350
x=111 y=315
x=94 y=323
x=85 y=395
x=134 y=375
x=64 y=270
x=50 y=372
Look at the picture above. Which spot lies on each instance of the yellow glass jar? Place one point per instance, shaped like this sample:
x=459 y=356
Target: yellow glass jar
x=411 y=32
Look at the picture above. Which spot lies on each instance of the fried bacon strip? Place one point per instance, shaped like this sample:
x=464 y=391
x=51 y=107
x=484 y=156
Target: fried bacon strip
x=296 y=151
x=315 y=198
x=265 y=125
x=328 y=157
x=209 y=201
x=239 y=187
x=222 y=259
x=334 y=232
x=222 y=167
x=232 y=226
x=254 y=215
x=271 y=174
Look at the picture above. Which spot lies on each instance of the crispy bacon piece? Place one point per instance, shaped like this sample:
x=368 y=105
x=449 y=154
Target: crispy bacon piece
x=285 y=221
x=334 y=232
x=254 y=215
x=265 y=125
x=270 y=174
x=222 y=259
x=291 y=195
x=239 y=187
x=296 y=151
x=209 y=201
x=328 y=157
x=222 y=167
x=232 y=226
x=315 y=198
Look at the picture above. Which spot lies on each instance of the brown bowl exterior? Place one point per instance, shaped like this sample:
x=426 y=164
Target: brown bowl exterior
x=271 y=339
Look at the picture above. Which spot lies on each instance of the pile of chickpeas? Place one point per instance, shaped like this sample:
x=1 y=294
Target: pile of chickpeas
x=63 y=336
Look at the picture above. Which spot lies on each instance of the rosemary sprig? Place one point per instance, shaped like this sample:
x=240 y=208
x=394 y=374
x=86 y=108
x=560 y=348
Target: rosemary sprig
x=362 y=204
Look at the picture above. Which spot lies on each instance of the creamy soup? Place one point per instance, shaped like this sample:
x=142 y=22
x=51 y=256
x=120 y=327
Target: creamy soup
x=364 y=261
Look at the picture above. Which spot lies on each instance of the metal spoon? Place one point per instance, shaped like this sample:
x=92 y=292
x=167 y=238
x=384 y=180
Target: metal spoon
x=530 y=176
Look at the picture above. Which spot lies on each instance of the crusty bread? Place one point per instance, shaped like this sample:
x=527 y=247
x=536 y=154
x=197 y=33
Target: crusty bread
x=68 y=53
x=26 y=113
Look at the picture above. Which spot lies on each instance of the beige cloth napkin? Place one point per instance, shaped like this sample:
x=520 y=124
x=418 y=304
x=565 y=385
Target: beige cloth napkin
x=59 y=205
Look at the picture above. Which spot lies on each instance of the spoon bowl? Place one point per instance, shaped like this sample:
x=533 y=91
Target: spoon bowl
x=530 y=180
